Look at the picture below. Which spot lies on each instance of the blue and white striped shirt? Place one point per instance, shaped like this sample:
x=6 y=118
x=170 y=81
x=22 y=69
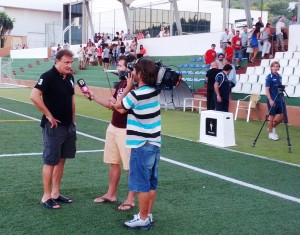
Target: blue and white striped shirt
x=144 y=120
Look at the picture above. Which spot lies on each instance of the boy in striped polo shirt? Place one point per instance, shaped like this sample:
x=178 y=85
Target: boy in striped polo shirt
x=143 y=137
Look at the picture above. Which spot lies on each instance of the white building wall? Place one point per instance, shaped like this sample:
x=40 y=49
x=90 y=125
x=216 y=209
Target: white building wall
x=31 y=23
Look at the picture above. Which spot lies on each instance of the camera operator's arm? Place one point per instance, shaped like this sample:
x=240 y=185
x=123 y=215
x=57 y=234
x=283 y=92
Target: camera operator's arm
x=271 y=102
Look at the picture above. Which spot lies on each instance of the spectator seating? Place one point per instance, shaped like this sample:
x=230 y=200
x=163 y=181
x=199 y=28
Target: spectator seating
x=253 y=81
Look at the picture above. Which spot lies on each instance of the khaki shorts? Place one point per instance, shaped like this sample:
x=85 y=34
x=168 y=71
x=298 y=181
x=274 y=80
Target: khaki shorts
x=115 y=150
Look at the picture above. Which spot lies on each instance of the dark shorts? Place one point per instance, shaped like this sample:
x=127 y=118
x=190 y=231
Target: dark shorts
x=106 y=60
x=143 y=168
x=276 y=109
x=59 y=143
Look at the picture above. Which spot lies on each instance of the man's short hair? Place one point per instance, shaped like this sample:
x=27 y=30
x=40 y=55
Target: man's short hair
x=227 y=67
x=213 y=45
x=64 y=52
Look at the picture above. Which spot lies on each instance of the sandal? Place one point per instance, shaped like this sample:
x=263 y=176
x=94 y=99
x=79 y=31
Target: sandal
x=50 y=204
x=125 y=207
x=63 y=199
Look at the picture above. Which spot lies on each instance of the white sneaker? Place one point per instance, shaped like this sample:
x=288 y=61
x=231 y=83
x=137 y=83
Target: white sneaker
x=138 y=223
x=274 y=133
x=272 y=136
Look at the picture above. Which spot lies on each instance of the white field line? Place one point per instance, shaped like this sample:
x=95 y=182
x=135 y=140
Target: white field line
x=222 y=177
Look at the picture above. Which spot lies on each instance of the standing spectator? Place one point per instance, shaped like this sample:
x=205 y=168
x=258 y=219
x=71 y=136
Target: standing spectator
x=58 y=48
x=265 y=36
x=53 y=95
x=144 y=139
x=115 y=151
x=95 y=38
x=66 y=45
x=161 y=32
x=210 y=56
x=254 y=44
x=237 y=48
x=293 y=21
x=99 y=55
x=222 y=89
x=232 y=75
x=108 y=41
x=280 y=27
x=259 y=24
x=220 y=61
x=273 y=81
x=210 y=81
x=224 y=40
x=105 y=57
x=147 y=35
x=128 y=35
x=122 y=49
x=229 y=52
x=231 y=35
x=140 y=35
x=244 y=37
x=81 y=54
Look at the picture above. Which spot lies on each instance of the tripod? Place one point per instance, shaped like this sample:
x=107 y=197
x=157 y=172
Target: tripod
x=279 y=95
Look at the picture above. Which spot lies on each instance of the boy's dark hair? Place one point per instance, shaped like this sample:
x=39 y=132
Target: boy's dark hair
x=129 y=58
x=148 y=70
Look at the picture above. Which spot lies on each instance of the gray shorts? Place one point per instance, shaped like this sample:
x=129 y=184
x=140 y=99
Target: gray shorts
x=59 y=143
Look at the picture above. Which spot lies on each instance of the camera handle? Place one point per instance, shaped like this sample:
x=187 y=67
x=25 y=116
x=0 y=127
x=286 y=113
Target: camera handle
x=285 y=120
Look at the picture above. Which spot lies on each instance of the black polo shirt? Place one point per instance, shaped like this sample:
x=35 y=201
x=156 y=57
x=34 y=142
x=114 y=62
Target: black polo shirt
x=57 y=95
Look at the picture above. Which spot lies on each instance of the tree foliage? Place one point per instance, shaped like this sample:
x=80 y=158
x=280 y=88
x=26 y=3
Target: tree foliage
x=6 y=24
x=274 y=7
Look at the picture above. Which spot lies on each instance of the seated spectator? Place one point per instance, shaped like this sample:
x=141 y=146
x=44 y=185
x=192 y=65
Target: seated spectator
x=210 y=56
x=147 y=35
x=229 y=52
x=140 y=35
x=142 y=52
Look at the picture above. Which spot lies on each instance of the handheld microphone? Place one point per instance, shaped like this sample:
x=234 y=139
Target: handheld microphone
x=83 y=87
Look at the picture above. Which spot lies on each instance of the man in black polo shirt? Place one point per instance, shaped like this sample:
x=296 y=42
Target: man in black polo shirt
x=53 y=95
x=222 y=89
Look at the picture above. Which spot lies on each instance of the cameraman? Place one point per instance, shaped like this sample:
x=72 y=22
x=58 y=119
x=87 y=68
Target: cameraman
x=115 y=150
x=273 y=83
x=143 y=137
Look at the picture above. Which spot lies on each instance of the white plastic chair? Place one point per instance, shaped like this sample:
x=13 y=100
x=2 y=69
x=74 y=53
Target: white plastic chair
x=250 y=70
x=265 y=62
x=294 y=80
x=259 y=70
x=283 y=62
x=293 y=62
x=262 y=79
x=279 y=55
x=297 y=91
x=246 y=88
x=297 y=71
x=288 y=71
x=285 y=80
x=296 y=55
x=256 y=88
x=290 y=90
x=237 y=88
x=288 y=55
x=263 y=89
x=243 y=78
x=248 y=103
x=252 y=78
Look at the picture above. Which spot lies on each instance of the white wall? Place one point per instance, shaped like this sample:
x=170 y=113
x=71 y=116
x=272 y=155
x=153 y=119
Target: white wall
x=294 y=42
x=31 y=23
x=29 y=53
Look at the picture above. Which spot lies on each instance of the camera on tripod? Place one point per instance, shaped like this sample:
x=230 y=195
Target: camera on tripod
x=281 y=88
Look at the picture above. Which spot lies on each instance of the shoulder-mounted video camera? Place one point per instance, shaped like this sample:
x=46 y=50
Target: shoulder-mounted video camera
x=166 y=78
